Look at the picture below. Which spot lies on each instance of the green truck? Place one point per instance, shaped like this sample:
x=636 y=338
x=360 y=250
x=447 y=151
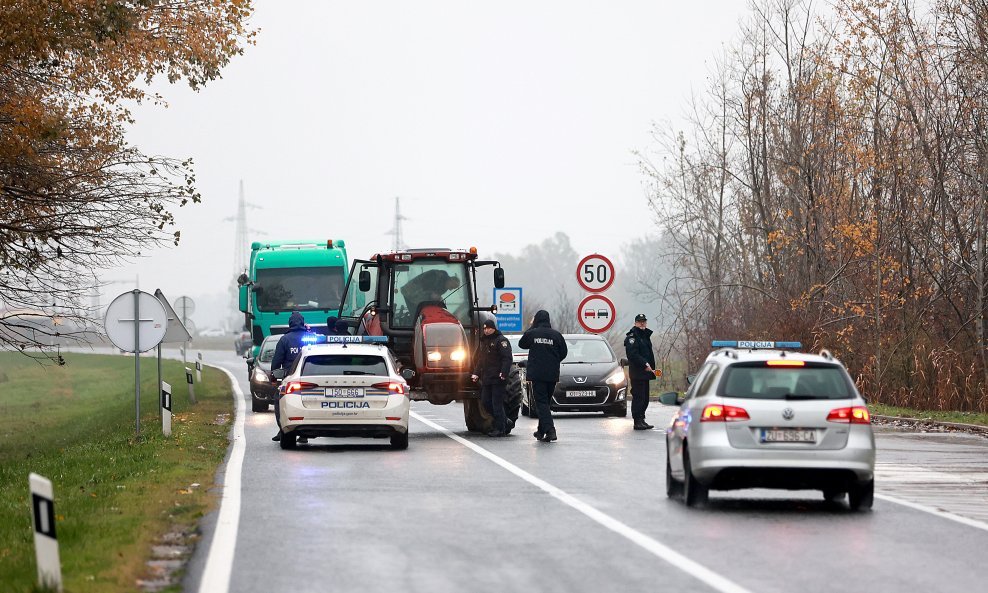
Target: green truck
x=286 y=276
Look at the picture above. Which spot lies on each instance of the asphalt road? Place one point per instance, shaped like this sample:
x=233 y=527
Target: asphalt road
x=462 y=512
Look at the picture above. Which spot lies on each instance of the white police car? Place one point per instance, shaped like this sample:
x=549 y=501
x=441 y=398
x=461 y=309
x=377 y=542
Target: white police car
x=346 y=386
x=759 y=416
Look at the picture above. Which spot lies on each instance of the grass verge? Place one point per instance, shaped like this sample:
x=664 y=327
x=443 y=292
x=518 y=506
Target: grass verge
x=115 y=495
x=938 y=416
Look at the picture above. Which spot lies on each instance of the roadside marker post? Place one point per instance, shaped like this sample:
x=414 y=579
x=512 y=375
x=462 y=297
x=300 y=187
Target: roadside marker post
x=199 y=367
x=166 y=409
x=192 y=388
x=45 y=542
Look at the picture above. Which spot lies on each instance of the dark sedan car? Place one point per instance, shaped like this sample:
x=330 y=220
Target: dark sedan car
x=263 y=389
x=591 y=379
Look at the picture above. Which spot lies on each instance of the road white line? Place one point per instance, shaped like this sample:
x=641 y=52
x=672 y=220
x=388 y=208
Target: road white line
x=934 y=511
x=674 y=558
x=219 y=561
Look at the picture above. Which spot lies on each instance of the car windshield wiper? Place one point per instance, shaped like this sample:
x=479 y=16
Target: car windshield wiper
x=801 y=396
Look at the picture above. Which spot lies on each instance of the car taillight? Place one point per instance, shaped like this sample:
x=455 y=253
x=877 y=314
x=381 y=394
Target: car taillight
x=392 y=387
x=855 y=415
x=719 y=413
x=294 y=386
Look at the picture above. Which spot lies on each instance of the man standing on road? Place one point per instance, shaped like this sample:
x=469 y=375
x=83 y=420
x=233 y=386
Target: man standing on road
x=494 y=365
x=546 y=349
x=285 y=353
x=641 y=363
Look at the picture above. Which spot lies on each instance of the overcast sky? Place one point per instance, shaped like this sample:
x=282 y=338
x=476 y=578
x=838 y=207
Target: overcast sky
x=496 y=124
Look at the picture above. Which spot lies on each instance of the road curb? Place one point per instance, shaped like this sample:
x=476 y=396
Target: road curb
x=977 y=428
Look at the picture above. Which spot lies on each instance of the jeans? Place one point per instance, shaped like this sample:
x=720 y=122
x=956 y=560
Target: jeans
x=543 y=392
x=639 y=398
x=492 y=398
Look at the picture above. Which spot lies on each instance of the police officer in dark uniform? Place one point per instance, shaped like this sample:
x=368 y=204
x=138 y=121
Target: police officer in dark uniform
x=546 y=349
x=641 y=367
x=494 y=364
x=285 y=353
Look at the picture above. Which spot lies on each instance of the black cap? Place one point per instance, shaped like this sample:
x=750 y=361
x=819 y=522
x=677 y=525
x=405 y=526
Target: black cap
x=640 y=317
x=490 y=323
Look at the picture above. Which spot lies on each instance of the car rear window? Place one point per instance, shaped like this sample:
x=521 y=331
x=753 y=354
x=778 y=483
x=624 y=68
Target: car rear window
x=757 y=380
x=344 y=364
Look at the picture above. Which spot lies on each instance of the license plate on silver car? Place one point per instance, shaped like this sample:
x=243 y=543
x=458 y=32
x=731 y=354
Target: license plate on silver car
x=344 y=392
x=788 y=435
x=588 y=393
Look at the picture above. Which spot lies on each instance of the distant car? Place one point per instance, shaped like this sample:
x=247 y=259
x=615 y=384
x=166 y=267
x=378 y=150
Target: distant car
x=591 y=379
x=516 y=351
x=243 y=343
x=211 y=332
x=759 y=416
x=263 y=389
x=348 y=387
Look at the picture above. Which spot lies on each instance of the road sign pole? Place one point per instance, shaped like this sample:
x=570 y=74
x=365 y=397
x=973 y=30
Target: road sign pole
x=159 y=375
x=137 y=361
x=45 y=542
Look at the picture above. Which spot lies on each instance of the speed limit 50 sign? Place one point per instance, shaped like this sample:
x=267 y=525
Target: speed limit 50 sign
x=595 y=273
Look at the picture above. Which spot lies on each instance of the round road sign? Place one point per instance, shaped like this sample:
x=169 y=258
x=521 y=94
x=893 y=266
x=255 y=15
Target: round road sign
x=595 y=273
x=596 y=313
x=142 y=310
x=184 y=307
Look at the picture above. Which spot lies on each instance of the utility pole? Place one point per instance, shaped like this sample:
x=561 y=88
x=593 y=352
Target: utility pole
x=399 y=242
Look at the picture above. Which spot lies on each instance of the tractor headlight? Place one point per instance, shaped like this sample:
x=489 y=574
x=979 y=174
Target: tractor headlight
x=434 y=356
x=458 y=355
x=616 y=378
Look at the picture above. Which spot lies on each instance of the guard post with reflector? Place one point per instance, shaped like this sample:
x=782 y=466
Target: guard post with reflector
x=192 y=387
x=45 y=541
x=198 y=367
x=166 y=409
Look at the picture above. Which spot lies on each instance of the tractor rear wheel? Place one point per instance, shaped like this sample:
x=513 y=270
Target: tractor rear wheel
x=512 y=398
x=477 y=418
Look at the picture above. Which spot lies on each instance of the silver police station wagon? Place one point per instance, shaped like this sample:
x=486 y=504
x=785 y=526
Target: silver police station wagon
x=759 y=415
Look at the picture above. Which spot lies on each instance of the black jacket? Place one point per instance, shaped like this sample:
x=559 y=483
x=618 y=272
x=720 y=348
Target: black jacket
x=638 y=345
x=493 y=359
x=546 y=349
x=290 y=344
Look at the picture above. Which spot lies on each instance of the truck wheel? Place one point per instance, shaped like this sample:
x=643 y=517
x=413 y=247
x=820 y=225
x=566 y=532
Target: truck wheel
x=477 y=418
x=512 y=400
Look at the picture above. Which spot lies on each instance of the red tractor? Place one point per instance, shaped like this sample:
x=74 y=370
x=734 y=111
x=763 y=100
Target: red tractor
x=425 y=301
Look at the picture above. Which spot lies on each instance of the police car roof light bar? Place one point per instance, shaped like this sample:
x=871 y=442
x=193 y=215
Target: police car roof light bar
x=755 y=345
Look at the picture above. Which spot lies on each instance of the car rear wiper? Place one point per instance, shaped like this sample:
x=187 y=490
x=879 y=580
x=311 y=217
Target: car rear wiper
x=801 y=396
x=356 y=373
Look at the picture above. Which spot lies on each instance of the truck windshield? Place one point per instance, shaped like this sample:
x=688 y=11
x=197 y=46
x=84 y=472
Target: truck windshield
x=289 y=289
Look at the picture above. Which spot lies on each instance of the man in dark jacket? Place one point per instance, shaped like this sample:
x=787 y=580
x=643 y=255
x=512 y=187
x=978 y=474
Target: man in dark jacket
x=493 y=366
x=546 y=349
x=641 y=367
x=285 y=353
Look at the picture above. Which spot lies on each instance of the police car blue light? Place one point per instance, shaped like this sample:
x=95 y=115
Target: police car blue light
x=755 y=345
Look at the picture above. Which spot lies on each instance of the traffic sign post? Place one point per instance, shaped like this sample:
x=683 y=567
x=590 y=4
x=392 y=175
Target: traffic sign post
x=135 y=322
x=595 y=273
x=596 y=313
x=166 y=409
x=509 y=307
x=45 y=540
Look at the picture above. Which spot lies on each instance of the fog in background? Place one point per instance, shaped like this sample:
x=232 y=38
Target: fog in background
x=498 y=125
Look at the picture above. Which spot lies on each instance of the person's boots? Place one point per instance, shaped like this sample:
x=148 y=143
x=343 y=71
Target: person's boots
x=640 y=424
x=549 y=436
x=276 y=437
x=538 y=434
x=647 y=425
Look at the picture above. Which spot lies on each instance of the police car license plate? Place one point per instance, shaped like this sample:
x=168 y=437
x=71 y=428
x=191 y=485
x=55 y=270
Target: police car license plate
x=788 y=435
x=586 y=393
x=344 y=392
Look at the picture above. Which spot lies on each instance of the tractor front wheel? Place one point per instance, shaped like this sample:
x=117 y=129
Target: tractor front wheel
x=477 y=418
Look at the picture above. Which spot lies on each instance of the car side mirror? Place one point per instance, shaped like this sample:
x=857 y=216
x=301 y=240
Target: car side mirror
x=407 y=373
x=250 y=361
x=670 y=398
x=278 y=374
x=690 y=379
x=364 y=281
x=242 y=279
x=498 y=277
x=623 y=362
x=522 y=364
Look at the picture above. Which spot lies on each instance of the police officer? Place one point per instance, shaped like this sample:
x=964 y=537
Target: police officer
x=285 y=353
x=494 y=365
x=546 y=349
x=641 y=365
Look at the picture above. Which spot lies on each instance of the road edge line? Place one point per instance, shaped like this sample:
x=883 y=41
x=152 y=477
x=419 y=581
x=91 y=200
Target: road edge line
x=653 y=546
x=219 y=560
x=934 y=511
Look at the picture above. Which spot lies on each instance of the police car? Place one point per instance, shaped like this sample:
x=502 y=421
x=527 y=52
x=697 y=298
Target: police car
x=344 y=386
x=759 y=415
